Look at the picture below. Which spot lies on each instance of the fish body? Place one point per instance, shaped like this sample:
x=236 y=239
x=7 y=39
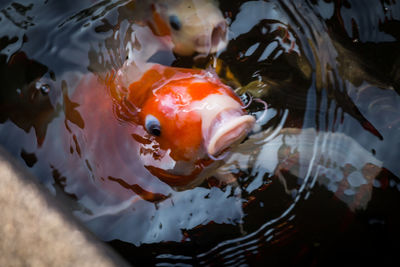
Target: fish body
x=170 y=123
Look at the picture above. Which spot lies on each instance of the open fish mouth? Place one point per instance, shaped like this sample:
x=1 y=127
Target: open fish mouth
x=214 y=42
x=229 y=127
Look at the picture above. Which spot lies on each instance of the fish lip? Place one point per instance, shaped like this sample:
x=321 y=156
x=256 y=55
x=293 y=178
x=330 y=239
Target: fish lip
x=228 y=128
x=219 y=34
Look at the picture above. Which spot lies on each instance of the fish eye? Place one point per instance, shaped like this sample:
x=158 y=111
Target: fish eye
x=175 y=22
x=152 y=125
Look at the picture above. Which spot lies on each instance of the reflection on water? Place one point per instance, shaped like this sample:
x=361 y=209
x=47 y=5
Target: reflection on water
x=317 y=180
x=315 y=157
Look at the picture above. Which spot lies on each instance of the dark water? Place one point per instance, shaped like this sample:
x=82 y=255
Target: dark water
x=318 y=181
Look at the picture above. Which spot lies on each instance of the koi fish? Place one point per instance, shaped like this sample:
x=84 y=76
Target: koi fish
x=170 y=123
x=184 y=26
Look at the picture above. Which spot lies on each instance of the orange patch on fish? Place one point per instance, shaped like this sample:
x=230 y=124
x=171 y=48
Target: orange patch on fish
x=159 y=26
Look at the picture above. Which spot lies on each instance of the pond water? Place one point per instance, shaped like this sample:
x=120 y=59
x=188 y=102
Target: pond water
x=317 y=179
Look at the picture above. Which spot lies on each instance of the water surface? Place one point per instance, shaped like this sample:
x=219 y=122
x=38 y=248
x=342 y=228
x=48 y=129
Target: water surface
x=318 y=180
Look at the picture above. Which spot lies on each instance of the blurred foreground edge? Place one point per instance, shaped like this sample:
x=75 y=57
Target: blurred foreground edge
x=35 y=228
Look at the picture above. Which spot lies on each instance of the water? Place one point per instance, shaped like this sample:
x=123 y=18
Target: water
x=318 y=181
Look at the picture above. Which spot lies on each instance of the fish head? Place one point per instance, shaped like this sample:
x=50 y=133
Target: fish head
x=191 y=116
x=192 y=25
